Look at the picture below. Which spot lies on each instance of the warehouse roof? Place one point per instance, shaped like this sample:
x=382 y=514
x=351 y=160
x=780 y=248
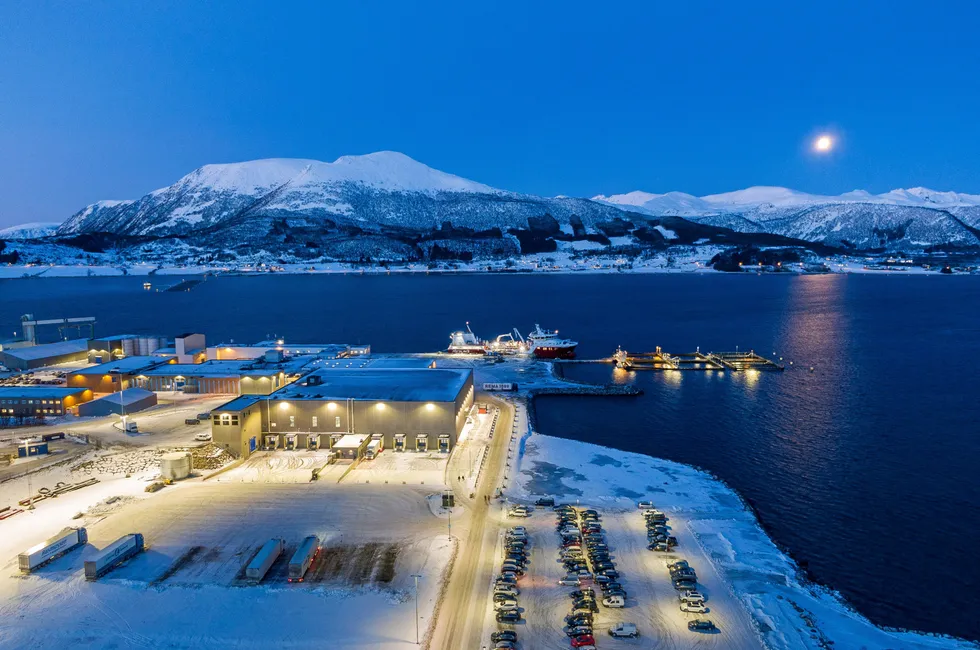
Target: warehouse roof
x=126 y=365
x=38 y=392
x=393 y=384
x=127 y=397
x=46 y=350
x=349 y=441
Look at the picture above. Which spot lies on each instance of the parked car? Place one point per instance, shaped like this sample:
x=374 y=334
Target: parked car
x=578 y=630
x=685 y=585
x=518 y=513
x=701 y=625
x=204 y=436
x=614 y=601
x=511 y=616
x=584 y=640
x=691 y=596
x=697 y=607
x=679 y=564
x=624 y=630
x=192 y=421
x=547 y=502
x=570 y=580
x=505 y=605
x=505 y=645
x=504 y=635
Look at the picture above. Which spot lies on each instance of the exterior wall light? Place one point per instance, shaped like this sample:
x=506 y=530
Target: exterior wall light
x=430 y=407
x=283 y=406
x=379 y=406
x=333 y=407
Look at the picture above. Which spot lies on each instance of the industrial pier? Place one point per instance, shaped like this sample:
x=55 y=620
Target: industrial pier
x=660 y=360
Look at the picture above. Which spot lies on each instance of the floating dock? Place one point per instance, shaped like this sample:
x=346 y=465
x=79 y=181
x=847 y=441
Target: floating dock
x=660 y=360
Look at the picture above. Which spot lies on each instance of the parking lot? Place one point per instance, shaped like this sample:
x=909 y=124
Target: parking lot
x=651 y=604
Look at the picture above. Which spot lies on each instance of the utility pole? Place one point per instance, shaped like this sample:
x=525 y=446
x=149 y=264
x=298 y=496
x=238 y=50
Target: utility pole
x=416 y=576
x=30 y=493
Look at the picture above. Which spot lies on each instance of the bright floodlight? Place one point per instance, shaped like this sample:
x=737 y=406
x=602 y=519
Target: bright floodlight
x=823 y=143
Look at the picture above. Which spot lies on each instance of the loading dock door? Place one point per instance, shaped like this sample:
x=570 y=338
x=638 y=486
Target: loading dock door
x=313 y=441
x=444 y=444
x=421 y=442
x=251 y=444
x=399 y=443
x=291 y=441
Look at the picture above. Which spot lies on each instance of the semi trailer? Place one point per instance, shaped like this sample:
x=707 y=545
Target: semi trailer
x=263 y=560
x=303 y=558
x=114 y=554
x=54 y=547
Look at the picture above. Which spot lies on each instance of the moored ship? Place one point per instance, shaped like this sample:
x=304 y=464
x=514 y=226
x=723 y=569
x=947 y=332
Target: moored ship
x=546 y=344
x=466 y=342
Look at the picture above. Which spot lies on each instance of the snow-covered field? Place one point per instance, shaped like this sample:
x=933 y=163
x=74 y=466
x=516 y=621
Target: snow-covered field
x=754 y=590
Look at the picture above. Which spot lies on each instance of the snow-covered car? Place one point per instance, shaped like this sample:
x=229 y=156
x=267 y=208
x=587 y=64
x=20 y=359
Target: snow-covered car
x=694 y=607
x=624 y=630
x=204 y=436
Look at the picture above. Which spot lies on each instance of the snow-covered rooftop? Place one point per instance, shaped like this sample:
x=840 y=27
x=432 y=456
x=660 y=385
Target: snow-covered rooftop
x=38 y=392
x=124 y=365
x=394 y=384
x=46 y=350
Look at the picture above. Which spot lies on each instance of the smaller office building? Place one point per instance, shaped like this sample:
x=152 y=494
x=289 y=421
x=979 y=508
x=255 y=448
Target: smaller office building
x=21 y=402
x=46 y=354
x=130 y=400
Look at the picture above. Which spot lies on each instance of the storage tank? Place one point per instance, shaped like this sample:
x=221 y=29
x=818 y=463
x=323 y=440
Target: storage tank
x=128 y=347
x=148 y=345
x=176 y=465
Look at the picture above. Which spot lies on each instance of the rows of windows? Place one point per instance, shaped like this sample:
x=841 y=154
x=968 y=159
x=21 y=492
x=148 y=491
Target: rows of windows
x=51 y=402
x=48 y=411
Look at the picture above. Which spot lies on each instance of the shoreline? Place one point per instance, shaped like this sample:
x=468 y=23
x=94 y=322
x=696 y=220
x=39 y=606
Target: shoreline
x=825 y=596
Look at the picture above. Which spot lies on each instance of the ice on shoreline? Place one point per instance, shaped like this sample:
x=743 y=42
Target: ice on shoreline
x=787 y=611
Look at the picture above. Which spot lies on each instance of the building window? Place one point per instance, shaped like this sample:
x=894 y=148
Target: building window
x=336 y=422
x=234 y=419
x=292 y=420
x=313 y=422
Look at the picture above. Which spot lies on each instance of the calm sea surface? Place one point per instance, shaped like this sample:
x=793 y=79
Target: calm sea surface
x=867 y=470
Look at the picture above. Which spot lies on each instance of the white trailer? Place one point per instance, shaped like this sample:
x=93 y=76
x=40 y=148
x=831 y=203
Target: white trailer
x=303 y=558
x=373 y=449
x=114 y=554
x=52 y=548
x=263 y=560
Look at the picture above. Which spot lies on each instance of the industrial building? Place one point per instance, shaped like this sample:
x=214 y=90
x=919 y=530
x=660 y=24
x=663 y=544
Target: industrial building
x=115 y=375
x=130 y=400
x=233 y=351
x=403 y=409
x=18 y=402
x=223 y=377
x=46 y=354
x=107 y=348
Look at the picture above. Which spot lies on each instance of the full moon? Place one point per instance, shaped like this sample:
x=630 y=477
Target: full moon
x=823 y=143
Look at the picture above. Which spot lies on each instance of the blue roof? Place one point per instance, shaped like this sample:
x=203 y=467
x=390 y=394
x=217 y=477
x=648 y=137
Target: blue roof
x=38 y=392
x=381 y=384
x=125 y=365
x=47 y=350
x=130 y=396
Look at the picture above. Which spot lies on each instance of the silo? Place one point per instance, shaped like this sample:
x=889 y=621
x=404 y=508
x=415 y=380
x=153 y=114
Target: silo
x=128 y=347
x=176 y=465
x=149 y=344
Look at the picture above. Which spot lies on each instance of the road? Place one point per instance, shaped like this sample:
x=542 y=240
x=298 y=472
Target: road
x=460 y=621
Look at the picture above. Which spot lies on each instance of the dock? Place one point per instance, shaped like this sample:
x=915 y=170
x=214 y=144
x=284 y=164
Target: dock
x=723 y=361
x=183 y=285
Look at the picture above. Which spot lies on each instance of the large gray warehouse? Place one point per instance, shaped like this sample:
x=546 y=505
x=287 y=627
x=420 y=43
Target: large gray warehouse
x=406 y=409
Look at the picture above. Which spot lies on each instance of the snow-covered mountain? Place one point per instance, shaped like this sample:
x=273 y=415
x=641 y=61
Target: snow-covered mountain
x=912 y=218
x=389 y=205
x=29 y=231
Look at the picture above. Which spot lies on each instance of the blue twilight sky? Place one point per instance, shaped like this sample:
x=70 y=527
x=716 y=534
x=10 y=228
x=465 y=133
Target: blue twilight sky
x=109 y=100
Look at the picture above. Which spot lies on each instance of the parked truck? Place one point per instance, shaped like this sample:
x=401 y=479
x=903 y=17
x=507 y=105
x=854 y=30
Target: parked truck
x=40 y=554
x=114 y=554
x=263 y=560
x=303 y=558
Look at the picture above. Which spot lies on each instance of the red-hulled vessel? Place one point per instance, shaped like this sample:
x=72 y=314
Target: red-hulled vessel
x=546 y=344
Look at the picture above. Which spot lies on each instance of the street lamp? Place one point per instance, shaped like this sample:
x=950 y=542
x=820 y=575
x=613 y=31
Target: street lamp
x=416 y=576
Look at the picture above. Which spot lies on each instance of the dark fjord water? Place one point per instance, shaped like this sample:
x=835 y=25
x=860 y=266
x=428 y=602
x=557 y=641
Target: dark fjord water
x=865 y=470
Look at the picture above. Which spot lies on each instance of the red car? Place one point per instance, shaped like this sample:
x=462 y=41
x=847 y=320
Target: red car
x=585 y=639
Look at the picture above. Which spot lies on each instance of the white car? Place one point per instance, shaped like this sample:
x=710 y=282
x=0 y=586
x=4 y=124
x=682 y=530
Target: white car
x=624 y=630
x=570 y=581
x=691 y=597
x=204 y=436
x=694 y=607
x=518 y=513
x=614 y=602
x=505 y=605
x=518 y=530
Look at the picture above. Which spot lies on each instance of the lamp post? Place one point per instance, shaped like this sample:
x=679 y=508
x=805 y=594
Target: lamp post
x=416 y=576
